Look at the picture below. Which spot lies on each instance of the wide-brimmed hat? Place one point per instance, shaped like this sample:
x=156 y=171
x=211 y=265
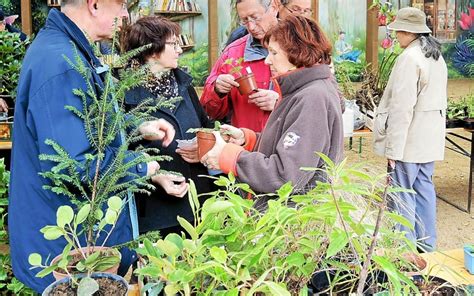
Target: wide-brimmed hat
x=410 y=19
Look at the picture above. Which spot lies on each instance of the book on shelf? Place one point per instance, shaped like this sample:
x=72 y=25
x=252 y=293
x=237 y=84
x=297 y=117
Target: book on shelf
x=175 y=5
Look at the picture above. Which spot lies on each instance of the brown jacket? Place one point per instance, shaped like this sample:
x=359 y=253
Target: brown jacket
x=308 y=119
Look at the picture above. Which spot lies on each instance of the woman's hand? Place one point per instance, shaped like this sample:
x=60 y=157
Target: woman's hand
x=265 y=99
x=157 y=130
x=236 y=135
x=172 y=184
x=211 y=159
x=189 y=153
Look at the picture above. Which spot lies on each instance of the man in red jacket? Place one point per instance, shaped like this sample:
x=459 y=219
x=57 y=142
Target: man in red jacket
x=221 y=96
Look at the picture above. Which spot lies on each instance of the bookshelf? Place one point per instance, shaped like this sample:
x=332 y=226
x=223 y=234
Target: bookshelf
x=176 y=11
x=54 y=3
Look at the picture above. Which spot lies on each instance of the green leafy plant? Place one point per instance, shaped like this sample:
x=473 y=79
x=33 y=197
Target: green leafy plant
x=244 y=247
x=217 y=127
x=12 y=51
x=196 y=62
x=456 y=109
x=235 y=65
x=469 y=103
x=98 y=197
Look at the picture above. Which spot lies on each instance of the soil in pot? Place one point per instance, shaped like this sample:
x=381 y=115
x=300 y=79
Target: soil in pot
x=107 y=287
x=247 y=84
x=205 y=142
x=434 y=287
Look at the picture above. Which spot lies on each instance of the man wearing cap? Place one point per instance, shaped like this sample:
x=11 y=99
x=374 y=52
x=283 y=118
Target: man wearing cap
x=6 y=24
x=409 y=128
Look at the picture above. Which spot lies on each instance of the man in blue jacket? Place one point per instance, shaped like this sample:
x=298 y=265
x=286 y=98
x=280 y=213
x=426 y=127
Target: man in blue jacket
x=45 y=88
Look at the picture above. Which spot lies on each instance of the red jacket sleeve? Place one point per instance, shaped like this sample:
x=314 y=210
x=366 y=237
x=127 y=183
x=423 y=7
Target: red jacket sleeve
x=216 y=107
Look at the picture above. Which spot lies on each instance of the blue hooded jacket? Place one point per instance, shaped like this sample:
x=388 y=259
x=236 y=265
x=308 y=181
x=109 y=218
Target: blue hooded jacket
x=45 y=88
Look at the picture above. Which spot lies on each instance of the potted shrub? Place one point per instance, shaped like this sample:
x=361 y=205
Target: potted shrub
x=469 y=120
x=96 y=200
x=205 y=138
x=247 y=82
x=244 y=247
x=469 y=258
x=455 y=113
x=12 y=51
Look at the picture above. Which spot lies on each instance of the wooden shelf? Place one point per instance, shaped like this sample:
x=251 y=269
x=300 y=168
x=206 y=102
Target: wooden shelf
x=177 y=15
x=187 y=47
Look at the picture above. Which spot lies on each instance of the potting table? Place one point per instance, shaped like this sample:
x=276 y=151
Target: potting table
x=362 y=133
x=452 y=135
x=7 y=145
x=448 y=265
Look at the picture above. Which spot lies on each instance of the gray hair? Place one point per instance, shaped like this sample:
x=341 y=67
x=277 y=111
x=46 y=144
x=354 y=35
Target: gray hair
x=71 y=2
x=264 y=3
x=430 y=46
x=285 y=2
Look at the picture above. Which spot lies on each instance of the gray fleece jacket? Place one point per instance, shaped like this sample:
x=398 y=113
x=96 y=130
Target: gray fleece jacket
x=308 y=119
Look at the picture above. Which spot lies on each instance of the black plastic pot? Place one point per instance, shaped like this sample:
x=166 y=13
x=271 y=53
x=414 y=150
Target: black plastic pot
x=468 y=123
x=454 y=123
x=48 y=291
x=444 y=287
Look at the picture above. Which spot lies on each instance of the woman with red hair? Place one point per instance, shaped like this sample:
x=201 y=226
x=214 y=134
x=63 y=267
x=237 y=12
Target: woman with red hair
x=307 y=117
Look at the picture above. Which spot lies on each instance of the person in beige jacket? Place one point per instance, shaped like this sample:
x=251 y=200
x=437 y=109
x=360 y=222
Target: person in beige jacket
x=409 y=128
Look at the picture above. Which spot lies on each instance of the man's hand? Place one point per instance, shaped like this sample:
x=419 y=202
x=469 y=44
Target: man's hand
x=224 y=84
x=265 y=99
x=159 y=129
x=172 y=184
x=236 y=135
x=3 y=106
x=189 y=153
x=211 y=159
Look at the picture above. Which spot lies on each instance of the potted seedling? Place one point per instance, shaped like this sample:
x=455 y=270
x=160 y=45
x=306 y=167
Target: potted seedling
x=247 y=82
x=455 y=113
x=469 y=120
x=205 y=138
x=469 y=258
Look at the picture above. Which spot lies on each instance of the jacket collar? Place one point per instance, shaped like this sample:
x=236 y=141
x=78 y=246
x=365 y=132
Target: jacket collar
x=254 y=50
x=294 y=80
x=59 y=21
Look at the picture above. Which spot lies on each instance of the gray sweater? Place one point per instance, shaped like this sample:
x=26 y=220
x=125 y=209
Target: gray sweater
x=307 y=120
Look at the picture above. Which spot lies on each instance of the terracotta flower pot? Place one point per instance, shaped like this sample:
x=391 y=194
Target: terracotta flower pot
x=205 y=142
x=247 y=84
x=59 y=275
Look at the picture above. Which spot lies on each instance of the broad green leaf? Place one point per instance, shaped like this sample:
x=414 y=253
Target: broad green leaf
x=219 y=254
x=110 y=217
x=217 y=206
x=64 y=215
x=35 y=259
x=295 y=259
x=92 y=257
x=175 y=239
x=46 y=271
x=51 y=232
x=115 y=203
x=276 y=289
x=338 y=240
x=188 y=227
x=167 y=247
x=400 y=219
x=87 y=287
x=82 y=214
x=98 y=214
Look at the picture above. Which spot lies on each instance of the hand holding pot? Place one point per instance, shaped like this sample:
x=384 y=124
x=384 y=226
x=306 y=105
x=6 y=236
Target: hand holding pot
x=265 y=99
x=211 y=159
x=189 y=153
x=236 y=135
x=224 y=84
x=172 y=184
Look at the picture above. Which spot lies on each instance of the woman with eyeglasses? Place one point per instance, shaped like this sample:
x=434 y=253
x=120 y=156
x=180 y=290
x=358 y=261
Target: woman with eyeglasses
x=165 y=80
x=307 y=118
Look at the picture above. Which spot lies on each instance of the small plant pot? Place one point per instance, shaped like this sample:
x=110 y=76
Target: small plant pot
x=74 y=253
x=469 y=123
x=454 y=123
x=205 y=142
x=247 y=84
x=469 y=259
x=112 y=284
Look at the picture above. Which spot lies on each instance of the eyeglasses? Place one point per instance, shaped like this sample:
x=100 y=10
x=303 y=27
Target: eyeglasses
x=175 y=44
x=299 y=10
x=250 y=19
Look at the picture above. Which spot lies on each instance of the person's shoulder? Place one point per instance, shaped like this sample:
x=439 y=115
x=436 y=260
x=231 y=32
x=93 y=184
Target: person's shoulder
x=237 y=45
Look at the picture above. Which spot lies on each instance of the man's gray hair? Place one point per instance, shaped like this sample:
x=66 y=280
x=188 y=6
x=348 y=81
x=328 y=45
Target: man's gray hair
x=71 y=2
x=264 y=3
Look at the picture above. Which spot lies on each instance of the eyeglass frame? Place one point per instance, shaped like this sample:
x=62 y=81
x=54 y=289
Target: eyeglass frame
x=307 y=11
x=175 y=44
x=253 y=20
